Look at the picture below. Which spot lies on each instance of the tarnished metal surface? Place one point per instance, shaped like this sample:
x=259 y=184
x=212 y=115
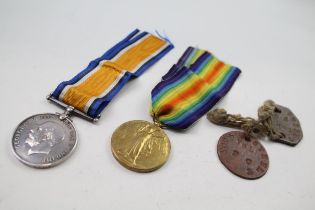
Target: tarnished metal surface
x=275 y=121
x=242 y=155
x=283 y=121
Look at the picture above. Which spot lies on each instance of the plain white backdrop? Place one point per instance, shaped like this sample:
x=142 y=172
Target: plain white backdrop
x=45 y=42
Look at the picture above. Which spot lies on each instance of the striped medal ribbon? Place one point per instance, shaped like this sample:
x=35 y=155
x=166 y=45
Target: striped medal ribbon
x=191 y=88
x=92 y=89
x=45 y=140
x=187 y=91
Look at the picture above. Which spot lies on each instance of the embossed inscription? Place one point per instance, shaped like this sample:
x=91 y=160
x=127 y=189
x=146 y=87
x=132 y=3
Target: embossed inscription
x=140 y=145
x=245 y=157
x=44 y=140
x=287 y=126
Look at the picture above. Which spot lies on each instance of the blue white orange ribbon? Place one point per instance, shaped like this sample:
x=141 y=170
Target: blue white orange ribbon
x=191 y=88
x=93 y=88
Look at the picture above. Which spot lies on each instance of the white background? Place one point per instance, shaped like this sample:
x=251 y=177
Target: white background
x=45 y=42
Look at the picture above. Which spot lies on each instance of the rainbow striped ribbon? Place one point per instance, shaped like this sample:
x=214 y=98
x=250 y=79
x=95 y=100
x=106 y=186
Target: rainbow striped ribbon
x=93 y=88
x=191 y=88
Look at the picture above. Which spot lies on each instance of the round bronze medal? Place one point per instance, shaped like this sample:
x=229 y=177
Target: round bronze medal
x=140 y=146
x=242 y=155
x=283 y=121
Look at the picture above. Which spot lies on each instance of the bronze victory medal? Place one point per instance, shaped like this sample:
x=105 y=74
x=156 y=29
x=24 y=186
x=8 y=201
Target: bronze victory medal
x=140 y=146
x=283 y=121
x=244 y=156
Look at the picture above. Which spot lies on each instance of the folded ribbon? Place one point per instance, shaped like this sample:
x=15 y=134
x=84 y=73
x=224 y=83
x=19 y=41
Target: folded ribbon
x=191 y=88
x=93 y=88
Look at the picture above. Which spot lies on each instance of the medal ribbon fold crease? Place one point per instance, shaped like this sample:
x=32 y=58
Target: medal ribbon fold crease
x=93 y=88
x=191 y=88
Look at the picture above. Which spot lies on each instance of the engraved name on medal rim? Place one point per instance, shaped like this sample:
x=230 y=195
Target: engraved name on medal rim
x=44 y=140
x=152 y=152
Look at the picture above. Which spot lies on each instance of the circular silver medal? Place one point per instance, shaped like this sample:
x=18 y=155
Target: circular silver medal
x=44 y=140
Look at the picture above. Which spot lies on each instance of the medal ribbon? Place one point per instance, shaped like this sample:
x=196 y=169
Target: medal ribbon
x=93 y=88
x=191 y=88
